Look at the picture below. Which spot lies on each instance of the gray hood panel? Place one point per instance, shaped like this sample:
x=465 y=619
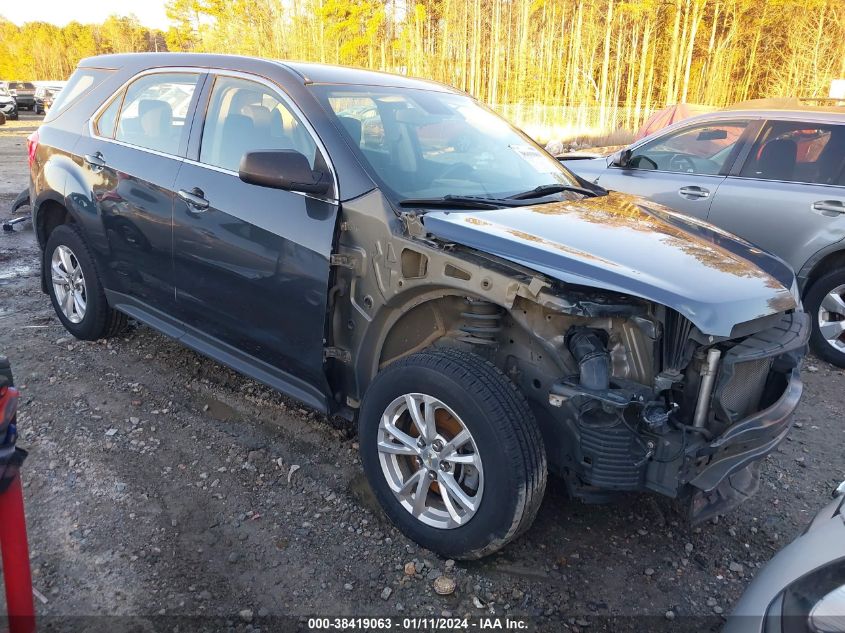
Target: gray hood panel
x=625 y=244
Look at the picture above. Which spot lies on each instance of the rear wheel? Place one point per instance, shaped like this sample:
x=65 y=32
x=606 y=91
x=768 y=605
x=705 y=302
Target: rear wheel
x=825 y=302
x=453 y=452
x=75 y=288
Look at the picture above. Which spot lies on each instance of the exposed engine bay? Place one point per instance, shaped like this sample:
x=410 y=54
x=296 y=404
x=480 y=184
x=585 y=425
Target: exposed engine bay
x=645 y=401
x=632 y=396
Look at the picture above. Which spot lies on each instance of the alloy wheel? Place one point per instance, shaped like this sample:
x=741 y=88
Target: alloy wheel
x=68 y=283
x=832 y=318
x=430 y=461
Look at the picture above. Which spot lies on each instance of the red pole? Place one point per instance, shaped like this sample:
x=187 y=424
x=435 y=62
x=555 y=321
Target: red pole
x=13 y=545
x=15 y=551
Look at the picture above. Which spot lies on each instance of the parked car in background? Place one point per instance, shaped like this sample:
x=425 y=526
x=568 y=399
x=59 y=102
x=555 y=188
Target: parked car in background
x=389 y=250
x=8 y=104
x=24 y=93
x=44 y=97
x=802 y=589
x=772 y=172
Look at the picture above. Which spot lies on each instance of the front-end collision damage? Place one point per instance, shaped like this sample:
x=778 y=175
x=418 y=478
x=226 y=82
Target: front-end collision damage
x=620 y=383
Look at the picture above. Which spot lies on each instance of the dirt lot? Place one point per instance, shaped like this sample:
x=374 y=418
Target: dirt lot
x=162 y=483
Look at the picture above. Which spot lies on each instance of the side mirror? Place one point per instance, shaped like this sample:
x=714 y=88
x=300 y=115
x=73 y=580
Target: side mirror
x=622 y=159
x=283 y=169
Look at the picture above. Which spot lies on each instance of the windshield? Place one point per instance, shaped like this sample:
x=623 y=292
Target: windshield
x=424 y=144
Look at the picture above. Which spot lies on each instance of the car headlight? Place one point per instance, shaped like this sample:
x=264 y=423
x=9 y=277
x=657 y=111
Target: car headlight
x=828 y=614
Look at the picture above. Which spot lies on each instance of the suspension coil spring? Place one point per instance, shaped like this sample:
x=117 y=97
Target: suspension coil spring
x=482 y=322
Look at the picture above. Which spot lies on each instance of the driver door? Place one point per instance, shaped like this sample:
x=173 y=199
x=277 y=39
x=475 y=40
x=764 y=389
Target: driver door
x=683 y=168
x=251 y=263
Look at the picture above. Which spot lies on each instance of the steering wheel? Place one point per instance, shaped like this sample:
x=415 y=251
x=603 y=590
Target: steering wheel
x=457 y=171
x=681 y=162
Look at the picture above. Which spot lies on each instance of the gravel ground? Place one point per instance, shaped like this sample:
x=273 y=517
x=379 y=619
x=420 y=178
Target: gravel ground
x=161 y=483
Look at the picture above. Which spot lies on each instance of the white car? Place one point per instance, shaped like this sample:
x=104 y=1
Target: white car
x=8 y=104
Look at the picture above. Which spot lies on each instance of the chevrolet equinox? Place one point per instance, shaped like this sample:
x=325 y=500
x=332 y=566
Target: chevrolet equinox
x=390 y=251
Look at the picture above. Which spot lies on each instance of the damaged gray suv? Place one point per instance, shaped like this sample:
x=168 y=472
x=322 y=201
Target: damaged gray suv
x=390 y=251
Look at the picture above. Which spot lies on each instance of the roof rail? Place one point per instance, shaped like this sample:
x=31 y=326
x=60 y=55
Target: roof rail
x=790 y=103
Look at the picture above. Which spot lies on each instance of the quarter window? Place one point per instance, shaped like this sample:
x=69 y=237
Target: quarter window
x=700 y=149
x=108 y=118
x=155 y=109
x=245 y=116
x=798 y=152
x=79 y=83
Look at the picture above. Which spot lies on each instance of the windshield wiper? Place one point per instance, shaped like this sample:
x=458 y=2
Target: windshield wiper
x=546 y=190
x=455 y=202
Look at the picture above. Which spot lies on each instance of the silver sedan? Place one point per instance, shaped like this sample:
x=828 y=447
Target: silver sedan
x=770 y=172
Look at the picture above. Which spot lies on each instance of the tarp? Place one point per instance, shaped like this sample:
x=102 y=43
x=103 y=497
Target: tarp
x=667 y=116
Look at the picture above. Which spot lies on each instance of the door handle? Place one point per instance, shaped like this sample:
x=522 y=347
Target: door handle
x=693 y=192
x=829 y=207
x=194 y=199
x=94 y=161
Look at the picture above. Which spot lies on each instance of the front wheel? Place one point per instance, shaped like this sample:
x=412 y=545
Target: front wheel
x=452 y=452
x=825 y=302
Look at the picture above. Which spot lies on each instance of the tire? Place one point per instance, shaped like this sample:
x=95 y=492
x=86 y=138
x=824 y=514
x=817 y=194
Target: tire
x=823 y=308
x=505 y=439
x=97 y=320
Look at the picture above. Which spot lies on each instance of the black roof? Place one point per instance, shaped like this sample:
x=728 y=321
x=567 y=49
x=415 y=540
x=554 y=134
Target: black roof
x=309 y=73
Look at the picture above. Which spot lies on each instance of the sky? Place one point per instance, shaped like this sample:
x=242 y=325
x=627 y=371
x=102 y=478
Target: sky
x=60 y=12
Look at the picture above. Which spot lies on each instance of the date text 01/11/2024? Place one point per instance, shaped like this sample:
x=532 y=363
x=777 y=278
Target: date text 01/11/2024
x=418 y=624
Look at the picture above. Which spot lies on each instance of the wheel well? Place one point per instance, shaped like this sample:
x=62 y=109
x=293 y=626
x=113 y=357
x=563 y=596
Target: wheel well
x=828 y=264
x=50 y=215
x=419 y=327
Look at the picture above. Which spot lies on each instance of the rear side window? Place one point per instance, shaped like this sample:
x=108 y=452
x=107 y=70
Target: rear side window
x=801 y=152
x=154 y=111
x=79 y=83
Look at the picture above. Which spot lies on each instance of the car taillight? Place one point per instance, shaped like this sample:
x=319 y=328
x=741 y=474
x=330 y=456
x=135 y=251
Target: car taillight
x=32 y=146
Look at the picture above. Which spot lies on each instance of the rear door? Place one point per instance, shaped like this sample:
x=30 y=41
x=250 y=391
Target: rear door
x=683 y=168
x=252 y=263
x=130 y=161
x=788 y=195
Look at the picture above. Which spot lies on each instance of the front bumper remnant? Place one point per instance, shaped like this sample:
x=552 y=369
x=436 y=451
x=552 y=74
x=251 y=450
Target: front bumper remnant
x=750 y=439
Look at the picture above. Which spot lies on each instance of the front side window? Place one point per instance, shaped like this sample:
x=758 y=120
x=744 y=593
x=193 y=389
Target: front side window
x=245 y=116
x=428 y=144
x=700 y=149
x=798 y=152
x=155 y=109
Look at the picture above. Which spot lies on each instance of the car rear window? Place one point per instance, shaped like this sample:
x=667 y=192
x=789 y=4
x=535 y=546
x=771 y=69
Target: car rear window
x=22 y=85
x=79 y=83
